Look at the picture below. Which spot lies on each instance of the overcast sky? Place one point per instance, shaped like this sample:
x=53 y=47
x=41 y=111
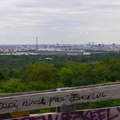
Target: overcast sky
x=59 y=21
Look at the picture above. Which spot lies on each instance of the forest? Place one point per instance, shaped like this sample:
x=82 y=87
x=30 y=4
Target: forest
x=27 y=73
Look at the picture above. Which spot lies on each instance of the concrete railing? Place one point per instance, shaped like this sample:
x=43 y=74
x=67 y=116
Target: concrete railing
x=64 y=99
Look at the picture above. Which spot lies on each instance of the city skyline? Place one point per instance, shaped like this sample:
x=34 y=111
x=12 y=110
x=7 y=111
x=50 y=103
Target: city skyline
x=56 y=21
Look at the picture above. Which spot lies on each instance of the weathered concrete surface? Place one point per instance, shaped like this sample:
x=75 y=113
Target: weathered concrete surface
x=61 y=97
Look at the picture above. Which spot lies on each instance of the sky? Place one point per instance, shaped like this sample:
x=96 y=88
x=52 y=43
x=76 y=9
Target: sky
x=59 y=21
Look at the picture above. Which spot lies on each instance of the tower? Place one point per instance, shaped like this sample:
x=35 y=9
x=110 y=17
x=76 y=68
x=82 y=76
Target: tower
x=36 y=43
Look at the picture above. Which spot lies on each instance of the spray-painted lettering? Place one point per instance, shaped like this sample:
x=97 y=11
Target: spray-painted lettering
x=100 y=114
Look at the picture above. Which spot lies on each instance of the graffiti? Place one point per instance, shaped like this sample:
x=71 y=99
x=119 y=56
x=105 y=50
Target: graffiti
x=29 y=102
x=42 y=101
x=100 y=114
x=95 y=95
x=45 y=101
x=56 y=99
x=8 y=105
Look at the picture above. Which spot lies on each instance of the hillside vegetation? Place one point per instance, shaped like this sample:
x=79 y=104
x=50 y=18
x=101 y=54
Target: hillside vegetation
x=35 y=73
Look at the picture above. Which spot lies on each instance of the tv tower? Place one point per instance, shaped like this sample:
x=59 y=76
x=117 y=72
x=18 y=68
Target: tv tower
x=36 y=43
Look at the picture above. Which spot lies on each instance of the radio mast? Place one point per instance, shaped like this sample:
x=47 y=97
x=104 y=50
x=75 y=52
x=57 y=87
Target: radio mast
x=36 y=43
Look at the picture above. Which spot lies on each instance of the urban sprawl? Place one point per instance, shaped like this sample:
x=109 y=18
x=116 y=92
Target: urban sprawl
x=58 y=49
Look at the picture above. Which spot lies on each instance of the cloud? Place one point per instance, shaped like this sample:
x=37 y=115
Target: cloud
x=53 y=20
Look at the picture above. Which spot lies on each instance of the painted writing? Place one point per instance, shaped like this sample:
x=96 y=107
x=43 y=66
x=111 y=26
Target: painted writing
x=56 y=99
x=100 y=114
x=38 y=102
x=94 y=95
x=29 y=102
x=4 y=105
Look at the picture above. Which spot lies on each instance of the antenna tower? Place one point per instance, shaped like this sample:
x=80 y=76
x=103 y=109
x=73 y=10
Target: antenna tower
x=36 y=43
